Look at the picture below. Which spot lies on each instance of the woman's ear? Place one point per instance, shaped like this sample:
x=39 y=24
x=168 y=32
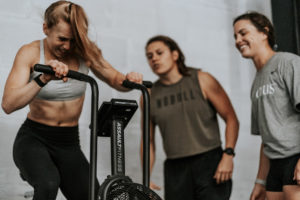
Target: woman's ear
x=266 y=32
x=175 y=55
x=267 y=29
x=45 y=28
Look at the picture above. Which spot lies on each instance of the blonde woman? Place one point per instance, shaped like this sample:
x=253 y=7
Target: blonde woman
x=46 y=149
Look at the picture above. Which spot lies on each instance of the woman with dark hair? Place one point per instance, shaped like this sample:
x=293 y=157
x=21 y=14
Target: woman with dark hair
x=184 y=105
x=275 y=97
x=47 y=149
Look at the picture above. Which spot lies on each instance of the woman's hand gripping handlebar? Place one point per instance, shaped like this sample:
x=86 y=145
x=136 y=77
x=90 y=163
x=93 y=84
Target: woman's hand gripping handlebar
x=47 y=69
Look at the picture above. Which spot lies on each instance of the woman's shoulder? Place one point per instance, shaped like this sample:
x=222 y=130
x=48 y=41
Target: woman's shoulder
x=29 y=53
x=286 y=61
x=30 y=48
x=287 y=56
x=34 y=45
x=204 y=75
x=199 y=74
x=207 y=80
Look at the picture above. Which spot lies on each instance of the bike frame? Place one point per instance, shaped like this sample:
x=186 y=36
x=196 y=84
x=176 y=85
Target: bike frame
x=94 y=124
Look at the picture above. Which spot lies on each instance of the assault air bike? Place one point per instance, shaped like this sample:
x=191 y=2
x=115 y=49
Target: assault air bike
x=110 y=121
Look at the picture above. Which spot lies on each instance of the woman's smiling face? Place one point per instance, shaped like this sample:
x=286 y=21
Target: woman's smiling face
x=247 y=38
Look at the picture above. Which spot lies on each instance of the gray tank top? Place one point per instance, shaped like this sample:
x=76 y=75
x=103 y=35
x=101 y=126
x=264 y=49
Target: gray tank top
x=57 y=90
x=187 y=121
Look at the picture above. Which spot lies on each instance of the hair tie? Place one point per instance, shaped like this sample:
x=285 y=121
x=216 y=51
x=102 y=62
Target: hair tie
x=70 y=6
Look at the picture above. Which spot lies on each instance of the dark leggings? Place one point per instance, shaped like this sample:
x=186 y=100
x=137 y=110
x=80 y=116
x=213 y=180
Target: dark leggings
x=49 y=158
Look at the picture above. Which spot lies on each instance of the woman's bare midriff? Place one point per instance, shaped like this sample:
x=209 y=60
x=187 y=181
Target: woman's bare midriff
x=56 y=113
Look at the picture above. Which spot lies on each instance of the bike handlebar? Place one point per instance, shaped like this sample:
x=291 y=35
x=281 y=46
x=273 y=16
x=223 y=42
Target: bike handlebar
x=71 y=74
x=133 y=85
x=82 y=77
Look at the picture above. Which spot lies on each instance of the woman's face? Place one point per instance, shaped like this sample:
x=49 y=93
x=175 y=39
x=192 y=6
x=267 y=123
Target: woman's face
x=160 y=58
x=248 y=39
x=59 y=39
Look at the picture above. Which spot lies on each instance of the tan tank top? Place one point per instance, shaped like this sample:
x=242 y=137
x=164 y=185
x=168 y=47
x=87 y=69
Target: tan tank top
x=187 y=121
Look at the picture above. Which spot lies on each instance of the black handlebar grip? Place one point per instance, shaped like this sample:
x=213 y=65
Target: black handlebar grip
x=128 y=84
x=77 y=75
x=44 y=68
x=133 y=85
x=148 y=84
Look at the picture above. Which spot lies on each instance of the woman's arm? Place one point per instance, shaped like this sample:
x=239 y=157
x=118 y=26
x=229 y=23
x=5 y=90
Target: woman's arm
x=112 y=77
x=259 y=190
x=264 y=165
x=18 y=92
x=214 y=93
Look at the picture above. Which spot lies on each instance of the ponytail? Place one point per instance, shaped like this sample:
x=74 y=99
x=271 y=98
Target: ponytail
x=74 y=15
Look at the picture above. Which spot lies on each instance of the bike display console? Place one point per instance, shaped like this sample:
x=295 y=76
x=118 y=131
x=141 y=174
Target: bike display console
x=117 y=109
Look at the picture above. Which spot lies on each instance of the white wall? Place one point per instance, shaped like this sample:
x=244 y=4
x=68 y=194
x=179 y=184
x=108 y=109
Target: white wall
x=202 y=28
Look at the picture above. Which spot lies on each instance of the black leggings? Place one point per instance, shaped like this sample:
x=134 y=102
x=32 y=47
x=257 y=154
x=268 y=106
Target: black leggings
x=50 y=158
